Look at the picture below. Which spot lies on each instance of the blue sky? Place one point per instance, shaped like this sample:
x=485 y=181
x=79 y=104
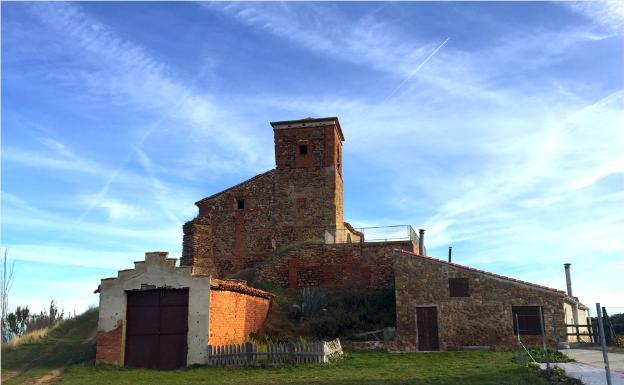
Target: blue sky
x=494 y=126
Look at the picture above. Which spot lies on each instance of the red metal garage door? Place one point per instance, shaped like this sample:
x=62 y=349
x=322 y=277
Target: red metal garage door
x=156 y=328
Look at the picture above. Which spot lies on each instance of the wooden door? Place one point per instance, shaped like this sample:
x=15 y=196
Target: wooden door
x=156 y=328
x=427 y=328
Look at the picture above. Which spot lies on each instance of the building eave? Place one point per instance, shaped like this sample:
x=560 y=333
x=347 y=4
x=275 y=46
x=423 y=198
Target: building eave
x=309 y=122
x=487 y=273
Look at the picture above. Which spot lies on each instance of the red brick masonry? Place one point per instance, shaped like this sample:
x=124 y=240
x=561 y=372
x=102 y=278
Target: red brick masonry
x=236 y=310
x=109 y=347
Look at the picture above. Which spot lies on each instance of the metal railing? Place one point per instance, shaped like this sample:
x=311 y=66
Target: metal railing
x=372 y=234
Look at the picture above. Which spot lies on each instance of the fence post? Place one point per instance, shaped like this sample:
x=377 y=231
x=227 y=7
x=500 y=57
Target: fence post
x=541 y=315
x=603 y=342
x=578 y=336
x=249 y=351
x=290 y=348
x=608 y=323
x=590 y=330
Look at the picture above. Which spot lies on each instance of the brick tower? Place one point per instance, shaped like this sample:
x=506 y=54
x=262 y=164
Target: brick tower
x=300 y=200
x=308 y=178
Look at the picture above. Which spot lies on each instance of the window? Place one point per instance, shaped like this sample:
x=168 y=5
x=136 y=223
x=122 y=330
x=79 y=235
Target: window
x=303 y=149
x=240 y=204
x=458 y=287
x=528 y=320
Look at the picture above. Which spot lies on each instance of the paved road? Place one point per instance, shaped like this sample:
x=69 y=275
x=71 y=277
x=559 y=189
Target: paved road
x=594 y=358
x=590 y=366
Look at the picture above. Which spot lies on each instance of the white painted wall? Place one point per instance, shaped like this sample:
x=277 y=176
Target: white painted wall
x=160 y=271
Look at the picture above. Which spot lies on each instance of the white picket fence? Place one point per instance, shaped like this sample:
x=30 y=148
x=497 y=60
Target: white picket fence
x=272 y=354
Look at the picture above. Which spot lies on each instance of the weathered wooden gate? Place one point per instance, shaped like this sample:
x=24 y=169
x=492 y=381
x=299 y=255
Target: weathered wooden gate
x=427 y=328
x=156 y=328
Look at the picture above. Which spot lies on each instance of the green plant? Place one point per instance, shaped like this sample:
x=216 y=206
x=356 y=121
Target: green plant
x=553 y=355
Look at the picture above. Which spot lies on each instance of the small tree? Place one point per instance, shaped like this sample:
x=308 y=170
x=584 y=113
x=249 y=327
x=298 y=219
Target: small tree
x=43 y=319
x=6 y=281
x=18 y=320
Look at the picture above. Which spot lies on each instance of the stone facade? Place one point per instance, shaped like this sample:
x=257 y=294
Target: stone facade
x=300 y=201
x=224 y=239
x=341 y=265
x=484 y=318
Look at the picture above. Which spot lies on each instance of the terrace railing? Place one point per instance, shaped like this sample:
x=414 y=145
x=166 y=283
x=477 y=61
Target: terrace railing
x=372 y=234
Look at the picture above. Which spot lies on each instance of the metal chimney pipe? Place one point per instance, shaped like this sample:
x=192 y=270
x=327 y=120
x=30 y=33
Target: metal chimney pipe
x=421 y=242
x=566 y=266
x=450 y=252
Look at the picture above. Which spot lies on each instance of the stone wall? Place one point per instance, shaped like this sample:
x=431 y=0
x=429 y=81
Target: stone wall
x=224 y=239
x=298 y=201
x=233 y=316
x=482 y=319
x=349 y=265
x=308 y=188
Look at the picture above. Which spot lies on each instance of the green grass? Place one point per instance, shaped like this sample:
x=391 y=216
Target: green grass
x=66 y=343
x=447 y=368
x=70 y=343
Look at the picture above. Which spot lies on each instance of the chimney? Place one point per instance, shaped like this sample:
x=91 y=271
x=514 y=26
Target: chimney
x=421 y=243
x=569 y=287
x=450 y=252
x=568 y=279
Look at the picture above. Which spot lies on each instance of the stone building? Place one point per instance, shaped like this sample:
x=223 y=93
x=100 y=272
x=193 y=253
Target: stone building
x=288 y=224
x=157 y=315
x=447 y=306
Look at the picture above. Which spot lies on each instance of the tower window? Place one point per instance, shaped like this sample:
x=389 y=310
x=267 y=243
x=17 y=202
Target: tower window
x=240 y=204
x=303 y=149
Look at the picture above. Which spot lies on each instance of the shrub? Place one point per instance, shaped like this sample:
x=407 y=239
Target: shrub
x=553 y=355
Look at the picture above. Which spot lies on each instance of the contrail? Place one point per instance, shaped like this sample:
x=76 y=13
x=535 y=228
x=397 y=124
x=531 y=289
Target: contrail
x=417 y=69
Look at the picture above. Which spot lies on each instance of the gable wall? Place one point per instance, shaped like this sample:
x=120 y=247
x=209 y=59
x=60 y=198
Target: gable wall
x=157 y=271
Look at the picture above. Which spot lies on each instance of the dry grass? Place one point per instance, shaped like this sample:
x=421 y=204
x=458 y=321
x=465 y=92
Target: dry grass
x=28 y=338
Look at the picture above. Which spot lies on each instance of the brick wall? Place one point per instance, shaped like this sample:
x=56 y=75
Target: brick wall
x=109 y=347
x=349 y=265
x=234 y=315
x=483 y=319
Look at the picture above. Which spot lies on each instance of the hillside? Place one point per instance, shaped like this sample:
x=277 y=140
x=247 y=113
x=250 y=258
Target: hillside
x=42 y=361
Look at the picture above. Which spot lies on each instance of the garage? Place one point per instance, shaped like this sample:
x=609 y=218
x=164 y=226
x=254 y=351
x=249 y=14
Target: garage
x=160 y=316
x=157 y=327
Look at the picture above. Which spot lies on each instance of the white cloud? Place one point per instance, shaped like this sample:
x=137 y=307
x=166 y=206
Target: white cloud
x=607 y=13
x=127 y=72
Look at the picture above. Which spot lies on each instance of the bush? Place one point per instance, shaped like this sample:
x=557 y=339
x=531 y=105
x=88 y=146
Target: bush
x=321 y=313
x=553 y=355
